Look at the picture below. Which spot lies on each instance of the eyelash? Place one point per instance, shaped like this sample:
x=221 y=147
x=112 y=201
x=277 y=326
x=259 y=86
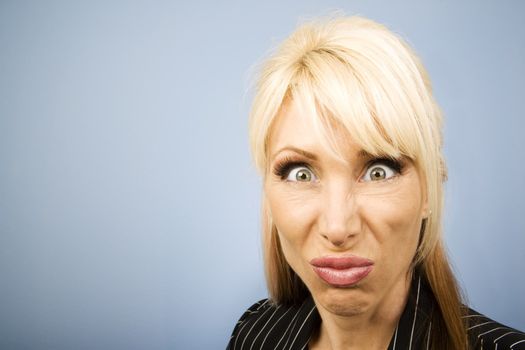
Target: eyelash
x=392 y=163
x=283 y=167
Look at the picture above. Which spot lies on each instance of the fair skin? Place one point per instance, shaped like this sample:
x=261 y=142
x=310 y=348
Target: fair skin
x=325 y=206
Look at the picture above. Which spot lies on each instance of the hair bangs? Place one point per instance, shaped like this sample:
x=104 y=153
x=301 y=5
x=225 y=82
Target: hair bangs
x=336 y=92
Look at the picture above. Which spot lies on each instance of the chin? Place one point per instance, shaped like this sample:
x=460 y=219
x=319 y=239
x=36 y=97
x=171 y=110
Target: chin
x=346 y=309
x=344 y=301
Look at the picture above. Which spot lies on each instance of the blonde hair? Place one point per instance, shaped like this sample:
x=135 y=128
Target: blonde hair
x=358 y=74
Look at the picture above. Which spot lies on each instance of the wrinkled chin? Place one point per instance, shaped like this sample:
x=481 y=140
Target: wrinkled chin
x=344 y=302
x=347 y=309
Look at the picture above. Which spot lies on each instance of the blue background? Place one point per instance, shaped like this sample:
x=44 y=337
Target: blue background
x=129 y=208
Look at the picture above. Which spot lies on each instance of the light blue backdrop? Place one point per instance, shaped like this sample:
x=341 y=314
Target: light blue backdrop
x=128 y=202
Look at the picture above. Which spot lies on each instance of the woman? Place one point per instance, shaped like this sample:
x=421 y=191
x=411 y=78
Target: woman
x=347 y=135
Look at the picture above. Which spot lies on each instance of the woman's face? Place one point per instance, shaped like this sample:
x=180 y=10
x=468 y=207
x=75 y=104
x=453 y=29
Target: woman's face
x=350 y=228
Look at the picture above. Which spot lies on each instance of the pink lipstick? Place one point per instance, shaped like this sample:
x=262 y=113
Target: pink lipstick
x=342 y=271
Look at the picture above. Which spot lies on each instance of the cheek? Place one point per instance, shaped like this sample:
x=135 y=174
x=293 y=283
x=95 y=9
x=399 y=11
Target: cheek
x=394 y=221
x=292 y=213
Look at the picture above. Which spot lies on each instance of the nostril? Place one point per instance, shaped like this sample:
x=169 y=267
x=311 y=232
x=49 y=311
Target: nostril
x=335 y=240
x=338 y=242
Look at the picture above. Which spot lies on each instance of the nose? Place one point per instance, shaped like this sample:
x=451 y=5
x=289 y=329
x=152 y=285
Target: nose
x=338 y=221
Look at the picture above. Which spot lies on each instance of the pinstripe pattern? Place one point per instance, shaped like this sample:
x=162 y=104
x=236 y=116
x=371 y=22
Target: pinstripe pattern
x=395 y=338
x=286 y=332
x=411 y=341
x=268 y=326
x=261 y=330
x=300 y=328
x=428 y=336
x=487 y=334
x=270 y=330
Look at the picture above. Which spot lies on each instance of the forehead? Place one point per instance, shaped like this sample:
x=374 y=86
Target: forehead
x=291 y=125
x=298 y=127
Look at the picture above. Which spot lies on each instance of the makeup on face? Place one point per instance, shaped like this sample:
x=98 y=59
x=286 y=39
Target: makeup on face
x=374 y=169
x=348 y=223
x=342 y=271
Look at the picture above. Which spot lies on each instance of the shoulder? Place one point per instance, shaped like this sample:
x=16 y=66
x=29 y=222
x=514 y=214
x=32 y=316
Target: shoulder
x=485 y=333
x=266 y=325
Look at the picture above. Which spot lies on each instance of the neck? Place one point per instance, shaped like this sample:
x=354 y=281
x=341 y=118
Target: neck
x=371 y=329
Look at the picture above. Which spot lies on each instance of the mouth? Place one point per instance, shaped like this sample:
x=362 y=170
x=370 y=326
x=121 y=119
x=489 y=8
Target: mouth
x=342 y=271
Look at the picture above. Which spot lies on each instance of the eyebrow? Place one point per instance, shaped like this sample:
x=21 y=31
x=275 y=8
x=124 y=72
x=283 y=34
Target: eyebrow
x=362 y=154
x=296 y=150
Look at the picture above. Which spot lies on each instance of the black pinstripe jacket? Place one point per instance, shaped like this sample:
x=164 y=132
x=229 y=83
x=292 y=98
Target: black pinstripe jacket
x=268 y=326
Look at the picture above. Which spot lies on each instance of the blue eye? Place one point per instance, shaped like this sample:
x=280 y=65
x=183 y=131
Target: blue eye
x=378 y=172
x=301 y=174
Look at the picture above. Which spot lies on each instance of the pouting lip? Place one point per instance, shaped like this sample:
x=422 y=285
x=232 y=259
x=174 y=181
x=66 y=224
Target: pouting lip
x=340 y=262
x=343 y=278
